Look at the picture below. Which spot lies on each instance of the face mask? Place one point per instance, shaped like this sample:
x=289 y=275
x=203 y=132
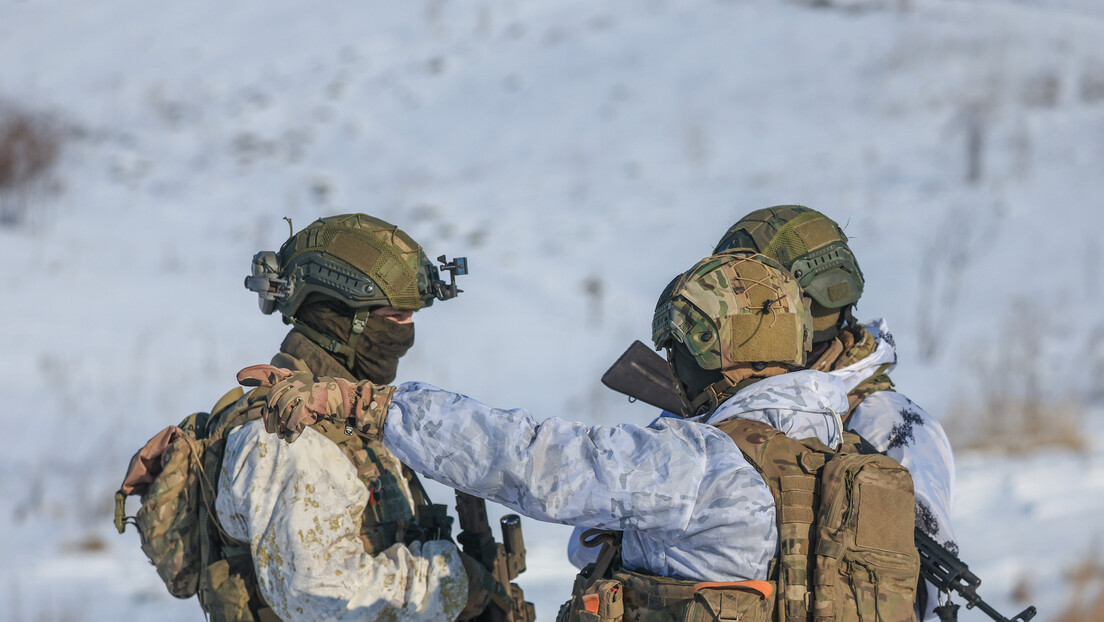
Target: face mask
x=378 y=347
x=381 y=345
x=694 y=379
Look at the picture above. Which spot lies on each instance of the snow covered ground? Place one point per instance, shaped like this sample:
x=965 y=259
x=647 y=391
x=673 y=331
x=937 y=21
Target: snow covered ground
x=580 y=154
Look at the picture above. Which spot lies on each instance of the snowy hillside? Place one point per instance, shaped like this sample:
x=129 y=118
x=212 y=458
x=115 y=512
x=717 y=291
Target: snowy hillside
x=580 y=154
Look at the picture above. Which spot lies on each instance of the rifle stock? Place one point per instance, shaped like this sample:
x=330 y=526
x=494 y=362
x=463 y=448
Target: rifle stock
x=504 y=561
x=644 y=375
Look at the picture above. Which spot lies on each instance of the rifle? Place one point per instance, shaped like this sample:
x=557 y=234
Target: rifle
x=642 y=374
x=947 y=572
x=504 y=561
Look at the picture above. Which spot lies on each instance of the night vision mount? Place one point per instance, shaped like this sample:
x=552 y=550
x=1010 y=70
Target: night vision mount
x=457 y=267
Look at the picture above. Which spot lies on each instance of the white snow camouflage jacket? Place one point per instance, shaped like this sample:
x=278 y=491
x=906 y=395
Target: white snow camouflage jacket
x=300 y=506
x=689 y=503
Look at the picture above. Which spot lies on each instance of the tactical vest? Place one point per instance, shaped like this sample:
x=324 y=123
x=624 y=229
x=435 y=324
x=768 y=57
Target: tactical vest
x=192 y=552
x=846 y=551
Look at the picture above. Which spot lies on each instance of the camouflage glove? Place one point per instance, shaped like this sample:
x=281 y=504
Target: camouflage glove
x=483 y=589
x=298 y=399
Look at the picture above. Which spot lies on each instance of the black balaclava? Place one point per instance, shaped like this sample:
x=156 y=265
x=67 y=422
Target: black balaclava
x=694 y=379
x=381 y=344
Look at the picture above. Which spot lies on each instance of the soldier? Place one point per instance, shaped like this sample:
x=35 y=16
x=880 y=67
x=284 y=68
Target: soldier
x=333 y=527
x=703 y=521
x=814 y=248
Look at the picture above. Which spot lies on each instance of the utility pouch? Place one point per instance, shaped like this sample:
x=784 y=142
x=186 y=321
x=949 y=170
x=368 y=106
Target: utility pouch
x=224 y=594
x=603 y=601
x=866 y=559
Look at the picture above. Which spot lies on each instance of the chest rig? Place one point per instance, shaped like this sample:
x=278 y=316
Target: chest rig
x=399 y=510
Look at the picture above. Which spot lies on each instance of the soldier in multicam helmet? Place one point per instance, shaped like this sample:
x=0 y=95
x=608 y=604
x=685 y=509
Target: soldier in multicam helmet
x=814 y=248
x=334 y=527
x=691 y=505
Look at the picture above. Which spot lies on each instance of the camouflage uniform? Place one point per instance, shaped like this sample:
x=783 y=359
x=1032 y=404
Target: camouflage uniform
x=336 y=527
x=330 y=521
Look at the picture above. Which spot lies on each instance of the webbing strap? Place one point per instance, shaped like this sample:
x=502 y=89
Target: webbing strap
x=360 y=318
x=790 y=470
x=796 y=516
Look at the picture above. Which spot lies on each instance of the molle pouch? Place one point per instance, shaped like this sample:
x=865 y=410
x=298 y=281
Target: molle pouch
x=745 y=601
x=603 y=602
x=224 y=594
x=866 y=559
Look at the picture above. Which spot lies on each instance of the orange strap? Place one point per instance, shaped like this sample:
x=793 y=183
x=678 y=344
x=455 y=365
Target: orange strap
x=763 y=588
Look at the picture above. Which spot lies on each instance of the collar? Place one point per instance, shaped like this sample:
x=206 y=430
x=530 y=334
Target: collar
x=802 y=404
x=299 y=353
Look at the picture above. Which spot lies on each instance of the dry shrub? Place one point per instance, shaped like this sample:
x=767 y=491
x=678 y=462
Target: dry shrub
x=1087 y=603
x=1020 y=407
x=91 y=543
x=1017 y=425
x=29 y=148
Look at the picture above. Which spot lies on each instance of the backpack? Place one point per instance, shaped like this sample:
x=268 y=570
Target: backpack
x=175 y=475
x=846 y=550
x=845 y=526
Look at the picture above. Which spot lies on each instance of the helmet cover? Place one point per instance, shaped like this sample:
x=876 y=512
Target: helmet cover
x=808 y=244
x=734 y=308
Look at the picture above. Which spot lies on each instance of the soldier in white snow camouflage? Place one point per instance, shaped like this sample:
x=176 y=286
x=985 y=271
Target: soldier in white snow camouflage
x=332 y=527
x=861 y=355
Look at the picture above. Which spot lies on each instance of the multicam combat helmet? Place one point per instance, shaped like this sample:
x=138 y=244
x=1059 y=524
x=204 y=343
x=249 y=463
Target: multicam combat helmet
x=735 y=313
x=356 y=259
x=808 y=244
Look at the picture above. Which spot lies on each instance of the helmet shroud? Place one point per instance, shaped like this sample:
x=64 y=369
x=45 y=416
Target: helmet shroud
x=357 y=259
x=814 y=249
x=739 y=314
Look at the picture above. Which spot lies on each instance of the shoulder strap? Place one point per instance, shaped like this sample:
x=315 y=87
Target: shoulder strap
x=789 y=468
x=880 y=381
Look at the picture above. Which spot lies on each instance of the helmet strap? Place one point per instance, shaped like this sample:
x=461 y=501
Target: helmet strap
x=360 y=318
x=846 y=318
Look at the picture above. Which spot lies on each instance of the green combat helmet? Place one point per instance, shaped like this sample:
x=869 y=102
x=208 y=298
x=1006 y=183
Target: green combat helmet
x=812 y=247
x=732 y=319
x=359 y=260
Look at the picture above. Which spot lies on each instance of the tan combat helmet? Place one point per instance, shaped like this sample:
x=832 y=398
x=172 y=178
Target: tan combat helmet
x=812 y=247
x=361 y=261
x=730 y=320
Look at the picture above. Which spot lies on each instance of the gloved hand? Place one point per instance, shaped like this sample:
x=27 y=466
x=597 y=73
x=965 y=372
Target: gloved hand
x=298 y=399
x=483 y=589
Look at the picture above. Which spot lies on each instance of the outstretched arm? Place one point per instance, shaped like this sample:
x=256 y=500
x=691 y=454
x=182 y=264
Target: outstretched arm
x=620 y=477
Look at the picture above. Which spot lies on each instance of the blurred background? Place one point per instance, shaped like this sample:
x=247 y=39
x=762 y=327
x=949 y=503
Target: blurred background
x=580 y=154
